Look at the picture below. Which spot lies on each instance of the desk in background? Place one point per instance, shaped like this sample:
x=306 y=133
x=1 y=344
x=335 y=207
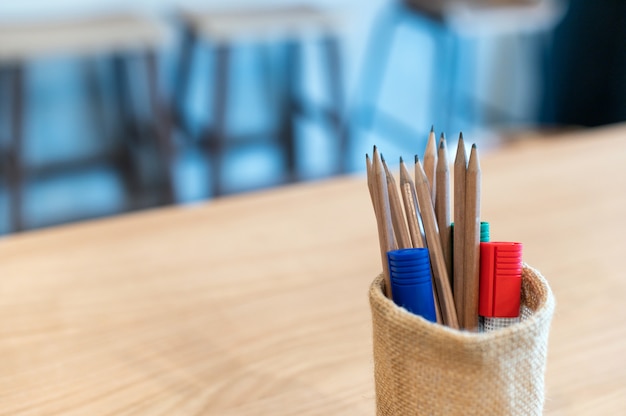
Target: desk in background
x=257 y=304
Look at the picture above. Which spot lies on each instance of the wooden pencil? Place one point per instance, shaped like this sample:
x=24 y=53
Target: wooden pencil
x=398 y=221
x=430 y=162
x=440 y=275
x=410 y=206
x=458 y=246
x=383 y=217
x=472 y=242
x=442 y=205
x=413 y=219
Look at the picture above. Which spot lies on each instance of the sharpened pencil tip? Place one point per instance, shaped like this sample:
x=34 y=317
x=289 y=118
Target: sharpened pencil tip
x=417 y=159
x=382 y=158
x=460 y=135
x=401 y=161
x=474 y=146
x=432 y=128
x=442 y=144
x=367 y=156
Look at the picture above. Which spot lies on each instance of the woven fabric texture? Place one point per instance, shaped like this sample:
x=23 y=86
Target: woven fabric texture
x=422 y=368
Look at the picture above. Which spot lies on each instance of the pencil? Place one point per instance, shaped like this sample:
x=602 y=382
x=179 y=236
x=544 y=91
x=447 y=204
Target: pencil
x=397 y=215
x=460 y=166
x=442 y=205
x=383 y=217
x=472 y=242
x=430 y=162
x=410 y=206
x=444 y=293
x=413 y=219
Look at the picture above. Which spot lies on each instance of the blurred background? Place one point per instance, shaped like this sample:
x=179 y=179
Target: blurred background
x=108 y=107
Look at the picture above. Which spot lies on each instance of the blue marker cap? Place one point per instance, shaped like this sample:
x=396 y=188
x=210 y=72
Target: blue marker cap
x=411 y=281
x=411 y=263
x=413 y=273
x=408 y=272
x=407 y=254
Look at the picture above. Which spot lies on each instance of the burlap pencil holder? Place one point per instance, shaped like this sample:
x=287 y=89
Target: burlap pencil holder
x=422 y=368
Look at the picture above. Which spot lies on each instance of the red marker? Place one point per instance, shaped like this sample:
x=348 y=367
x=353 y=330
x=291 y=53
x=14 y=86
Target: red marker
x=500 y=284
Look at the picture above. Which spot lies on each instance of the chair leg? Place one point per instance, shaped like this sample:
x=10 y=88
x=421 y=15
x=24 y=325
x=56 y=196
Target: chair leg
x=289 y=108
x=163 y=128
x=269 y=80
x=183 y=72
x=96 y=96
x=336 y=94
x=123 y=91
x=216 y=137
x=16 y=161
x=128 y=130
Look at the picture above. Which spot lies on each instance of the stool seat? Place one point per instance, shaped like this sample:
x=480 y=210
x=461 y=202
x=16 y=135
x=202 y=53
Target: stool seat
x=260 y=24
x=492 y=17
x=119 y=32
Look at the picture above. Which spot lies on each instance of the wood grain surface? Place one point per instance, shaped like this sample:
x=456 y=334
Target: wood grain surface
x=257 y=304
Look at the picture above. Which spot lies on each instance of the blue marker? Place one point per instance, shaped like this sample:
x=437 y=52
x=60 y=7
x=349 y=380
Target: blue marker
x=411 y=281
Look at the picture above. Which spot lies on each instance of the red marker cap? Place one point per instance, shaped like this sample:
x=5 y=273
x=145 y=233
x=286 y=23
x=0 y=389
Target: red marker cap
x=500 y=279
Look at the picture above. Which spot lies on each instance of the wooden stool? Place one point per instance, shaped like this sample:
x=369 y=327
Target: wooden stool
x=449 y=22
x=222 y=31
x=117 y=36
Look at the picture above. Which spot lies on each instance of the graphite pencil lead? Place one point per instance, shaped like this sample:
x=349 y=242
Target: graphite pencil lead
x=375 y=155
x=402 y=169
x=432 y=128
x=442 y=160
x=473 y=159
x=420 y=175
x=461 y=156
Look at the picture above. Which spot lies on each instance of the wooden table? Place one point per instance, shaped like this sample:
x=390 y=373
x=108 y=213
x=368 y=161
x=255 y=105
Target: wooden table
x=257 y=304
